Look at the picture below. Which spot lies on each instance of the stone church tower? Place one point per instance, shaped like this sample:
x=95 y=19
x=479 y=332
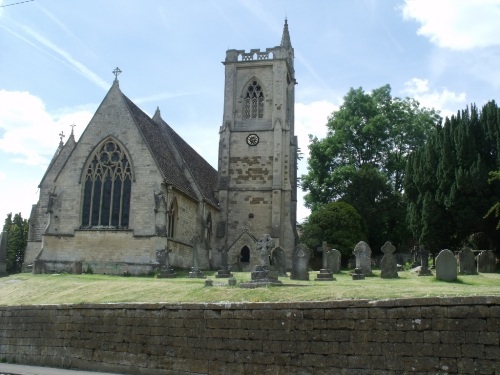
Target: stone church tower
x=258 y=152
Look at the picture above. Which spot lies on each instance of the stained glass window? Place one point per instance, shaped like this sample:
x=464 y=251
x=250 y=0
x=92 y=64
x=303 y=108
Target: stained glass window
x=254 y=101
x=107 y=187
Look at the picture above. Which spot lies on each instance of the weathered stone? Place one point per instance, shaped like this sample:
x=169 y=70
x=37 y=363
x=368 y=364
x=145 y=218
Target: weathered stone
x=423 y=256
x=486 y=262
x=324 y=273
x=388 y=265
x=300 y=263
x=446 y=266
x=224 y=270
x=358 y=274
x=333 y=260
x=265 y=274
x=363 y=253
x=466 y=262
x=278 y=260
x=165 y=271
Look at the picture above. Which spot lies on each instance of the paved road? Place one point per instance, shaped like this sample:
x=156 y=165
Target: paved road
x=11 y=369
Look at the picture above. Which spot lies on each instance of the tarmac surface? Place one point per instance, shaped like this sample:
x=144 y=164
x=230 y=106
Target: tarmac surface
x=14 y=369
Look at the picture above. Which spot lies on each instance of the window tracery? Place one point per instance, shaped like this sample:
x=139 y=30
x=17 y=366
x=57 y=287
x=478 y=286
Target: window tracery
x=254 y=101
x=107 y=188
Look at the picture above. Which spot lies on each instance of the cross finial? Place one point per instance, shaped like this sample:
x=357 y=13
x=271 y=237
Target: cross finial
x=116 y=72
x=61 y=135
x=72 y=127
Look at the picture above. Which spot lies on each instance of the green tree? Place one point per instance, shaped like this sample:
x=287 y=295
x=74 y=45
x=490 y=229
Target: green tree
x=447 y=180
x=338 y=223
x=495 y=209
x=362 y=159
x=17 y=239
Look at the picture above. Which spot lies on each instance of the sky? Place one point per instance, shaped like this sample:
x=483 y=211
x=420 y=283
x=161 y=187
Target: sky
x=57 y=58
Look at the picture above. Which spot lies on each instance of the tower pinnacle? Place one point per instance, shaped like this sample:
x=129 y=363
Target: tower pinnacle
x=285 y=39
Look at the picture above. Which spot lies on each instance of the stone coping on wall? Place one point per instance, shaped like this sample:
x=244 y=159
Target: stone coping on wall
x=223 y=305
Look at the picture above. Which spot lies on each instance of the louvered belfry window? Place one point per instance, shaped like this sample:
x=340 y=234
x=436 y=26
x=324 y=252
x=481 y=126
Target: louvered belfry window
x=254 y=101
x=107 y=187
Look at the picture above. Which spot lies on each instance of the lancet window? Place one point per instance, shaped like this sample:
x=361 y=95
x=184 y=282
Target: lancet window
x=107 y=188
x=254 y=101
x=172 y=215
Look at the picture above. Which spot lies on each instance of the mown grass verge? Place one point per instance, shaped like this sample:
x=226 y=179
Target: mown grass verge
x=28 y=289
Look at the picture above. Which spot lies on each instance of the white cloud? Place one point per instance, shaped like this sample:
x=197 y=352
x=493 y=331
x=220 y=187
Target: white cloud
x=456 y=24
x=444 y=100
x=29 y=134
x=309 y=119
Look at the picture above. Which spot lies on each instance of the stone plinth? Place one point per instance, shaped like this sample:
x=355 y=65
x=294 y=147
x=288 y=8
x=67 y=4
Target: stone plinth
x=358 y=274
x=196 y=273
x=262 y=276
x=324 y=275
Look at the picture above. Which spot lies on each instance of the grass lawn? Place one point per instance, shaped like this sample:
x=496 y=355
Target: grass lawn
x=29 y=289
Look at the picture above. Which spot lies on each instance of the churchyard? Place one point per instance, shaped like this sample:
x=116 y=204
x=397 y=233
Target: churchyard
x=27 y=289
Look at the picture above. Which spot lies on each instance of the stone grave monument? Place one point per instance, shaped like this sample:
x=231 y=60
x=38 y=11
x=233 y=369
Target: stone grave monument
x=195 y=269
x=165 y=270
x=363 y=253
x=486 y=262
x=423 y=255
x=388 y=265
x=333 y=260
x=446 y=266
x=466 y=262
x=278 y=260
x=3 y=254
x=324 y=273
x=223 y=272
x=264 y=274
x=300 y=262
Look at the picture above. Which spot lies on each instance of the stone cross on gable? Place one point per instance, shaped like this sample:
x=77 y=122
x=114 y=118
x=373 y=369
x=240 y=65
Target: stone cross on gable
x=61 y=136
x=72 y=127
x=264 y=246
x=116 y=72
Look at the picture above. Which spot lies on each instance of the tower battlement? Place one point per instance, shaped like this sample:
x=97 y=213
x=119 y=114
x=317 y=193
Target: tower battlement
x=235 y=55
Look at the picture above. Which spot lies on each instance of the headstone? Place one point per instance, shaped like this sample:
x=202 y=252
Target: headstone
x=333 y=260
x=165 y=271
x=209 y=282
x=278 y=260
x=423 y=255
x=324 y=273
x=300 y=263
x=264 y=274
x=446 y=266
x=466 y=262
x=224 y=270
x=486 y=262
x=363 y=253
x=388 y=265
x=3 y=254
x=231 y=281
x=196 y=271
x=358 y=274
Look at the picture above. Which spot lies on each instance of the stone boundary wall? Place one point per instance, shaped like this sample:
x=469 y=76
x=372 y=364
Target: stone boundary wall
x=414 y=336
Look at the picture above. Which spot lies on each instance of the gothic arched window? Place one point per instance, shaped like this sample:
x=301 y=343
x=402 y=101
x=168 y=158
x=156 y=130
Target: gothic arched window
x=208 y=228
x=107 y=188
x=254 y=101
x=171 y=218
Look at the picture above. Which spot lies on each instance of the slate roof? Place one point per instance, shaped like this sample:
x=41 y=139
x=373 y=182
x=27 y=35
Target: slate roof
x=161 y=138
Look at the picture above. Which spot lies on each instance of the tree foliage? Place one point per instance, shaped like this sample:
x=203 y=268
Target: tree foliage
x=362 y=159
x=338 y=223
x=447 y=180
x=17 y=239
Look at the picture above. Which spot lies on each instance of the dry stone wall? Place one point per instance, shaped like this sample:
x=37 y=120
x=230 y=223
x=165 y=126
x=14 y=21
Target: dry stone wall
x=414 y=336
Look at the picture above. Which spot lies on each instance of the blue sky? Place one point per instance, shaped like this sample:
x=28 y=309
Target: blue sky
x=57 y=59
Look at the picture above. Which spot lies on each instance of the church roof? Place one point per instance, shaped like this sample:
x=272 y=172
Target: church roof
x=204 y=175
x=161 y=139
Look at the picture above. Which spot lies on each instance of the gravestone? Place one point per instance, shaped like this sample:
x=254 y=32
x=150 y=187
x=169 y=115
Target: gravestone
x=3 y=254
x=300 y=263
x=466 y=262
x=363 y=253
x=388 y=265
x=423 y=256
x=486 y=262
x=278 y=260
x=165 y=271
x=446 y=266
x=224 y=270
x=324 y=273
x=196 y=271
x=333 y=260
x=264 y=274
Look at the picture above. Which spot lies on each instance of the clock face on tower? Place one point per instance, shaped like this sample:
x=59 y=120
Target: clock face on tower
x=253 y=139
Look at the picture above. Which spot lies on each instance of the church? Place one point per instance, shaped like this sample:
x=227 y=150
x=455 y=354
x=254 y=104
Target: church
x=131 y=187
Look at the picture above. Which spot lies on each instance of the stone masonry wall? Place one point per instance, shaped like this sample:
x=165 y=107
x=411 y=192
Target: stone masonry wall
x=403 y=336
